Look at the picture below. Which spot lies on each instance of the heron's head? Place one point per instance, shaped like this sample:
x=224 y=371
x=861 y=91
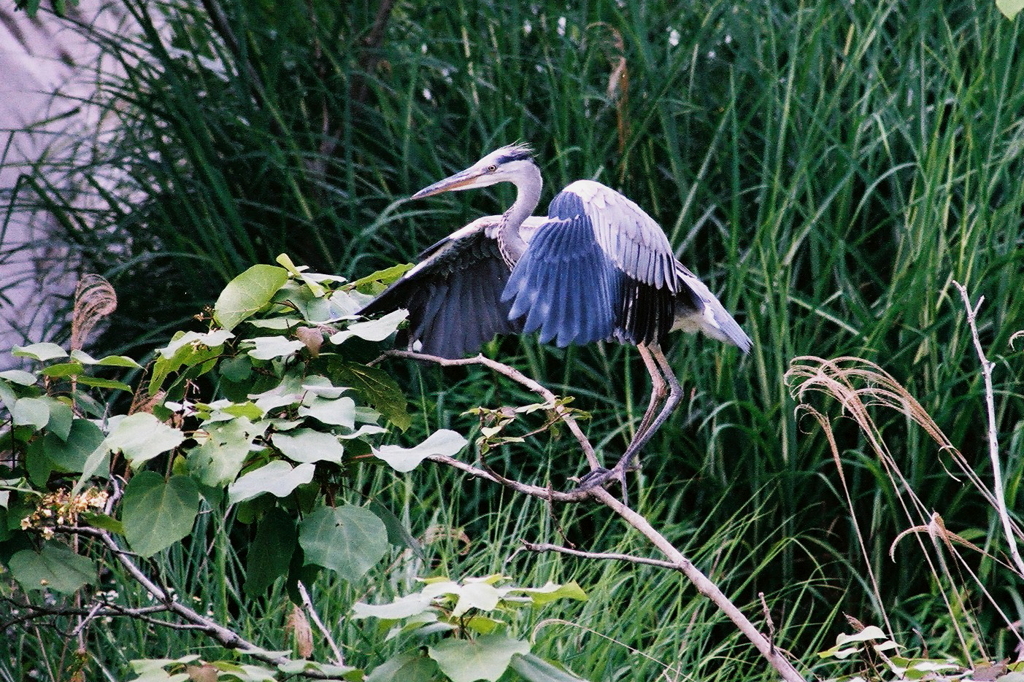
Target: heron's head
x=507 y=164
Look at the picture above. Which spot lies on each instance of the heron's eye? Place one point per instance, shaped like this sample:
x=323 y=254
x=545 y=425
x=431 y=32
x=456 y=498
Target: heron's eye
x=492 y=168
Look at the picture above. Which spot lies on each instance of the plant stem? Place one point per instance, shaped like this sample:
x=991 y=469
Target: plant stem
x=993 y=441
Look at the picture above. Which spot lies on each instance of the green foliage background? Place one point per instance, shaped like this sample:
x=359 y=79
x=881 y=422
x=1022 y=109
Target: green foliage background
x=829 y=168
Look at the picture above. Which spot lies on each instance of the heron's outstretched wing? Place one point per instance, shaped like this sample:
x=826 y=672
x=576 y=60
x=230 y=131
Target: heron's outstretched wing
x=599 y=268
x=453 y=294
x=697 y=309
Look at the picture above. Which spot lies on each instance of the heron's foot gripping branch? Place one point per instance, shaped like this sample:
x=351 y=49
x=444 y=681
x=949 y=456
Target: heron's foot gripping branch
x=600 y=477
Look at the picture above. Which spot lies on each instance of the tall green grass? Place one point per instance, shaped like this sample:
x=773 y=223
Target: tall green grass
x=829 y=168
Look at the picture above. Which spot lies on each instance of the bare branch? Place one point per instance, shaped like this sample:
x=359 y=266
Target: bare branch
x=521 y=379
x=168 y=603
x=766 y=612
x=676 y=560
x=703 y=584
x=603 y=556
x=993 y=441
x=99 y=609
x=307 y=604
x=524 y=488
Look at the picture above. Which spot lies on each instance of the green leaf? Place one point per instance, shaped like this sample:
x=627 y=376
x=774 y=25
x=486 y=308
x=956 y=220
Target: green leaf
x=286 y=262
x=483 y=658
x=7 y=394
x=535 y=669
x=30 y=412
x=270 y=552
x=444 y=442
x=236 y=369
x=377 y=388
x=243 y=672
x=39 y=351
x=152 y=669
x=326 y=670
x=270 y=347
x=482 y=625
x=552 y=592
x=838 y=652
x=476 y=595
x=322 y=386
x=408 y=667
x=186 y=349
x=1010 y=8
x=277 y=324
x=185 y=344
x=96 y=464
x=15 y=485
x=37 y=464
x=109 y=361
x=247 y=294
x=103 y=522
x=61 y=418
x=403 y=607
x=277 y=478
x=385 y=276
x=19 y=376
x=398 y=534
x=55 y=567
x=98 y=382
x=372 y=330
x=63 y=369
x=348 y=540
x=217 y=461
x=869 y=633
x=140 y=437
x=247 y=409
x=298 y=273
x=307 y=445
x=145 y=665
x=338 y=412
x=70 y=454
x=157 y=513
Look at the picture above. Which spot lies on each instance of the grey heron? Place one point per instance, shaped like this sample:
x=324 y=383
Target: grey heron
x=597 y=267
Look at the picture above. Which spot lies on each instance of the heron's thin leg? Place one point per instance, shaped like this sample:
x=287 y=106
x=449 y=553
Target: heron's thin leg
x=659 y=389
x=675 y=394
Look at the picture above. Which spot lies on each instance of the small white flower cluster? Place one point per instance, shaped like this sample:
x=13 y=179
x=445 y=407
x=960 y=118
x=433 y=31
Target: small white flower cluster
x=60 y=509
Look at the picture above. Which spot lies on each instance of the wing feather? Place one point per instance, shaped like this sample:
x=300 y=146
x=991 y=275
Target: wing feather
x=567 y=287
x=453 y=294
x=697 y=309
x=629 y=237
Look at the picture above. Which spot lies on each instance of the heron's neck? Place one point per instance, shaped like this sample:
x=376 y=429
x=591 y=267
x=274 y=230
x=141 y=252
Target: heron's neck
x=527 y=197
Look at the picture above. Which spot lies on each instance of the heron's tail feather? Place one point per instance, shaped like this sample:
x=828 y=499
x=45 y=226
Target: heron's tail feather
x=712 y=318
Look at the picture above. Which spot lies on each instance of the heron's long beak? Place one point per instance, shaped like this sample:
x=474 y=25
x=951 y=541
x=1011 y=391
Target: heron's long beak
x=462 y=180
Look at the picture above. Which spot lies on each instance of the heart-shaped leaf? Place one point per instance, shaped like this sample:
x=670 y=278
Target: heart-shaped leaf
x=157 y=513
x=348 y=540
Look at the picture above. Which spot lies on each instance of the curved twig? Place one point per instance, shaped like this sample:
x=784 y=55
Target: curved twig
x=307 y=604
x=602 y=556
x=226 y=637
x=521 y=379
x=993 y=441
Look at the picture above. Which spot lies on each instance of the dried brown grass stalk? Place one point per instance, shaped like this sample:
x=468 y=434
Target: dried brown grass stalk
x=861 y=387
x=94 y=299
